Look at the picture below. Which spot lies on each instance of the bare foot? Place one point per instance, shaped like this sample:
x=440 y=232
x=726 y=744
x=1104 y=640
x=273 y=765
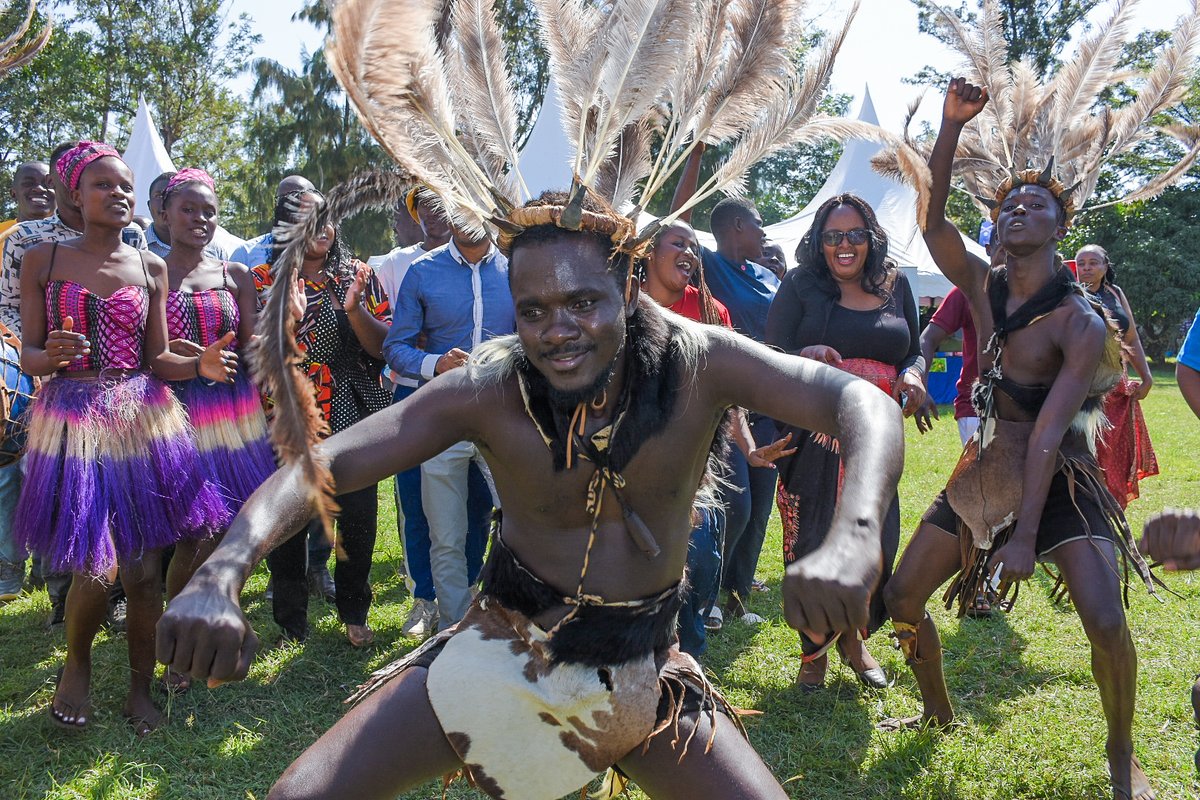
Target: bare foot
x=71 y=707
x=142 y=714
x=1139 y=784
x=919 y=722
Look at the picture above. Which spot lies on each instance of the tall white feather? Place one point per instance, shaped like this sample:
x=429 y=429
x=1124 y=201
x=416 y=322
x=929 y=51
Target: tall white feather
x=646 y=42
x=484 y=92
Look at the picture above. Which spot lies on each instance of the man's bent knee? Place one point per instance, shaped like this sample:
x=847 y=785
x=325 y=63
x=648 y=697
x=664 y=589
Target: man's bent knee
x=1107 y=629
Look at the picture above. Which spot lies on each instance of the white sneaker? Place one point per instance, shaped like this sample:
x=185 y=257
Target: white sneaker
x=750 y=618
x=422 y=620
x=714 y=620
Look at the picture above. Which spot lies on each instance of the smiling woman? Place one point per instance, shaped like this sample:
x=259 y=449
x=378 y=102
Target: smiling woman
x=848 y=305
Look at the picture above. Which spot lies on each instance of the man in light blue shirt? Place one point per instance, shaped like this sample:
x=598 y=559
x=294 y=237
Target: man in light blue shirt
x=457 y=296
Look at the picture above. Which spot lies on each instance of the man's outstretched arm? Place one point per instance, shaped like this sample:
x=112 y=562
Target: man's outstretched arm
x=829 y=589
x=963 y=103
x=203 y=631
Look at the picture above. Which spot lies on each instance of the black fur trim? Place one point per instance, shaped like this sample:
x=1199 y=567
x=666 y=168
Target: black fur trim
x=598 y=635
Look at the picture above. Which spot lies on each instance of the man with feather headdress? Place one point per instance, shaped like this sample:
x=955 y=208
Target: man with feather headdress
x=1027 y=487
x=599 y=417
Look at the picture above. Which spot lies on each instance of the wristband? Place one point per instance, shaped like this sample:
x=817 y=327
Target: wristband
x=197 y=363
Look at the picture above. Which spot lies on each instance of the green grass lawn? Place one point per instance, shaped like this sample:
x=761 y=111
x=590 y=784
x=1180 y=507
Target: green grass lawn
x=1030 y=718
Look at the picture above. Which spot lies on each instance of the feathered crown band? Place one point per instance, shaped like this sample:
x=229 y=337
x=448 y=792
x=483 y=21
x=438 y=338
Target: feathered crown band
x=1064 y=119
x=1032 y=177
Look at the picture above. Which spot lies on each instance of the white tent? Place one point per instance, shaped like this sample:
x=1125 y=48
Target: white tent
x=146 y=155
x=148 y=158
x=894 y=204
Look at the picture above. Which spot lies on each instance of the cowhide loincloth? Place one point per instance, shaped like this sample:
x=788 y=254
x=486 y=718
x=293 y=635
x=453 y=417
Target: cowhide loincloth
x=534 y=719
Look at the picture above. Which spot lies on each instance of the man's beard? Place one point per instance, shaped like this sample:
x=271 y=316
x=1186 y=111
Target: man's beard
x=565 y=402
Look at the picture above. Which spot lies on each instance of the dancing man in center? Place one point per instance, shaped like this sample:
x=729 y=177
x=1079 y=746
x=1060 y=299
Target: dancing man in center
x=598 y=419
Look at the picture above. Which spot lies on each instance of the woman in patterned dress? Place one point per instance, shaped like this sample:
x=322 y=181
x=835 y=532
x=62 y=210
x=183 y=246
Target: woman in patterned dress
x=343 y=319
x=1123 y=449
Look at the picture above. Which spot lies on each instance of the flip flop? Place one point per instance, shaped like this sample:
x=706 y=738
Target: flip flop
x=142 y=727
x=173 y=682
x=360 y=635
x=981 y=608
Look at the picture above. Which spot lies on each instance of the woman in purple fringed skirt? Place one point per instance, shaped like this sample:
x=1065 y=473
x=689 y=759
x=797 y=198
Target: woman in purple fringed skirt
x=112 y=472
x=208 y=299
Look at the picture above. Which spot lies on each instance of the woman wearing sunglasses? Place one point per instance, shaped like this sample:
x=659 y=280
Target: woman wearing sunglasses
x=849 y=305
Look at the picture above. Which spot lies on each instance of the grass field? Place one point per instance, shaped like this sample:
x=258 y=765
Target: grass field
x=1030 y=724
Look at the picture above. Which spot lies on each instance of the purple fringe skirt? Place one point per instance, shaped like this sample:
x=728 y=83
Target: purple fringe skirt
x=230 y=432
x=111 y=471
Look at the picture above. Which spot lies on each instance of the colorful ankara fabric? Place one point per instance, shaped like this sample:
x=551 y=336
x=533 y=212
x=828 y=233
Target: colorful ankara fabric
x=189 y=175
x=71 y=164
x=23 y=238
x=110 y=472
x=346 y=379
x=228 y=423
x=115 y=325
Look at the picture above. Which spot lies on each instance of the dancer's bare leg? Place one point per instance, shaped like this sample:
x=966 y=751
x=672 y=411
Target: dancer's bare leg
x=731 y=769
x=1090 y=570
x=142 y=579
x=932 y=558
x=189 y=555
x=390 y=742
x=86 y=604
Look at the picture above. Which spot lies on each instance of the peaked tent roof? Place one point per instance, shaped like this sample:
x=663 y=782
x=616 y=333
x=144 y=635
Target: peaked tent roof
x=148 y=158
x=894 y=204
x=146 y=155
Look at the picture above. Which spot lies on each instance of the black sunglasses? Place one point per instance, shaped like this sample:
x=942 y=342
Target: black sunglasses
x=855 y=235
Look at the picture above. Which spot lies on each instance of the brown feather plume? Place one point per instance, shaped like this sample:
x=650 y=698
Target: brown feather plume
x=384 y=54
x=758 y=60
x=1028 y=121
x=480 y=78
x=275 y=356
x=14 y=53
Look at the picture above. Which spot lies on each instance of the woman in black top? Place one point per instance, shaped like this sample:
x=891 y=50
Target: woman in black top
x=850 y=306
x=1123 y=449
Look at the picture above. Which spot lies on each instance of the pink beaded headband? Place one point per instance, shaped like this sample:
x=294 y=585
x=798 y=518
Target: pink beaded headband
x=189 y=175
x=71 y=164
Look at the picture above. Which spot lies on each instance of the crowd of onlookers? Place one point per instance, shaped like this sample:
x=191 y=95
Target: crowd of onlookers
x=372 y=334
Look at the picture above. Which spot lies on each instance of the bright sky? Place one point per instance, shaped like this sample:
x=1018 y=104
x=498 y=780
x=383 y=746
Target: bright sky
x=883 y=46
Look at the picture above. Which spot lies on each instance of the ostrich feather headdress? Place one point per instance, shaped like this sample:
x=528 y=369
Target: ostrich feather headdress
x=1057 y=133
x=428 y=80
x=16 y=53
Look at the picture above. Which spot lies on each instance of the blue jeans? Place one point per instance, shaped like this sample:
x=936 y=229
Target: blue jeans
x=416 y=526
x=10 y=490
x=703 y=576
x=747 y=511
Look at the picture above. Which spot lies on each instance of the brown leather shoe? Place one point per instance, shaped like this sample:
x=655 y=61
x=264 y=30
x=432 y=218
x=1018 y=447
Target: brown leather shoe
x=360 y=635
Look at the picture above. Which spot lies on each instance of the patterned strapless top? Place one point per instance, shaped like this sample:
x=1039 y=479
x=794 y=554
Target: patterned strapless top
x=115 y=325
x=202 y=317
